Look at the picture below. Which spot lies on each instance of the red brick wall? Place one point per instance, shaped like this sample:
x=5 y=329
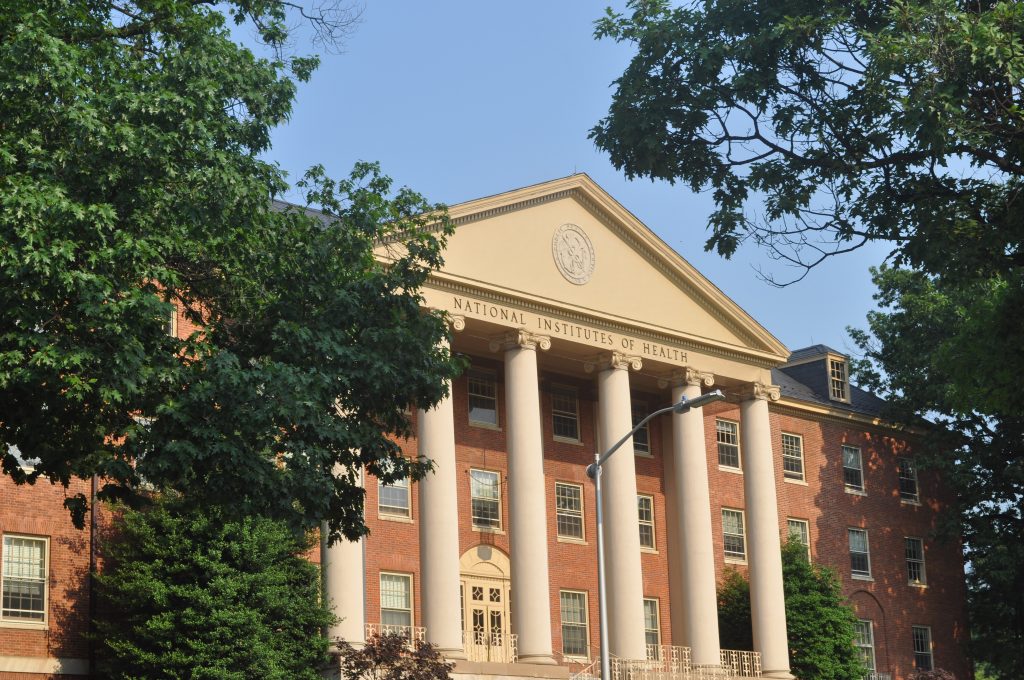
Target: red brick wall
x=892 y=604
x=38 y=511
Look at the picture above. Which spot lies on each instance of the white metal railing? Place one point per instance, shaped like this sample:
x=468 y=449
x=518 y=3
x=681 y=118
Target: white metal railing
x=878 y=675
x=589 y=671
x=743 y=664
x=667 y=662
x=412 y=633
x=491 y=645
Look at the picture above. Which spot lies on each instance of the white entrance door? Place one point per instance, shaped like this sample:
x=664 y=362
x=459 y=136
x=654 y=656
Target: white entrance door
x=486 y=619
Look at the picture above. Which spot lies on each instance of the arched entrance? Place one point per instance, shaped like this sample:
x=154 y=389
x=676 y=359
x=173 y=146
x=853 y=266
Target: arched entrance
x=486 y=615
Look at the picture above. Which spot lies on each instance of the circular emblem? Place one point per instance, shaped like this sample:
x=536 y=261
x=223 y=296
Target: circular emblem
x=573 y=253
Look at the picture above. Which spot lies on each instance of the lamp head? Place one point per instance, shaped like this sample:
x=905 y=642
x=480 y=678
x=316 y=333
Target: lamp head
x=685 y=404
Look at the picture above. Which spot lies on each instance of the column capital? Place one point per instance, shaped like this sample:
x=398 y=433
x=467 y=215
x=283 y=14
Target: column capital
x=613 y=360
x=686 y=376
x=520 y=338
x=457 y=322
x=760 y=390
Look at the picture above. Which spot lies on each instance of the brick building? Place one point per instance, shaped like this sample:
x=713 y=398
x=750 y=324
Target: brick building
x=578 y=321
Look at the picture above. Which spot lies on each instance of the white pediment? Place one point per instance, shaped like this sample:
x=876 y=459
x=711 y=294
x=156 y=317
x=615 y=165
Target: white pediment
x=568 y=245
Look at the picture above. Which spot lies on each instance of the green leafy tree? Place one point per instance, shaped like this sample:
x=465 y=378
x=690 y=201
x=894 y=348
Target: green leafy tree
x=189 y=594
x=934 y=348
x=821 y=126
x=819 y=623
x=392 y=656
x=131 y=180
x=847 y=122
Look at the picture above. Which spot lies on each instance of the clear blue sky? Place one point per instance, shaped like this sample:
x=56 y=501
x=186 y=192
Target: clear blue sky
x=460 y=100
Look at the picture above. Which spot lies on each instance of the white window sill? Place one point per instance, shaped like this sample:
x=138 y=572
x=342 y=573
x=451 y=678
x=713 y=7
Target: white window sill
x=651 y=551
x=489 y=530
x=855 y=492
x=569 y=539
x=643 y=454
x=25 y=625
x=862 y=577
x=485 y=426
x=735 y=560
x=394 y=518
x=917 y=584
x=907 y=501
x=733 y=470
x=799 y=482
x=566 y=440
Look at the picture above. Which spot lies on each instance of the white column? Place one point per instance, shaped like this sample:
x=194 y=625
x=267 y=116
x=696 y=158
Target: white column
x=531 y=600
x=767 y=598
x=343 y=567
x=695 y=600
x=439 y=528
x=622 y=534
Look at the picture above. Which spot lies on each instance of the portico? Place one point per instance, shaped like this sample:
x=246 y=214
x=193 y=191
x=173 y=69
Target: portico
x=567 y=299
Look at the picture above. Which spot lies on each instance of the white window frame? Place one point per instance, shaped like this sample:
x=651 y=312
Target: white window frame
x=859 y=574
x=574 y=415
x=902 y=464
x=803 y=537
x=789 y=457
x=838 y=379
x=641 y=522
x=735 y=427
x=926 y=637
x=585 y=625
x=653 y=648
x=864 y=641
x=918 y=561
x=412 y=600
x=172 y=323
x=570 y=512
x=489 y=378
x=474 y=497
x=642 y=447
x=847 y=485
x=5 y=560
x=394 y=511
x=734 y=557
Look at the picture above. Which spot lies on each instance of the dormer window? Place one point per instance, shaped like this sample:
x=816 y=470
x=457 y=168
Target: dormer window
x=838 y=385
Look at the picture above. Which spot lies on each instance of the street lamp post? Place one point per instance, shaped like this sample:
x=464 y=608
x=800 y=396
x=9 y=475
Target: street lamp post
x=594 y=472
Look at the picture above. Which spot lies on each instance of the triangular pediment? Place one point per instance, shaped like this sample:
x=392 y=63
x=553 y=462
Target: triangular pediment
x=613 y=267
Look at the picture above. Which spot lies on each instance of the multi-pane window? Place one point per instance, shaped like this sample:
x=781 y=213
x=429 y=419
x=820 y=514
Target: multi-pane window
x=652 y=628
x=393 y=498
x=908 y=480
x=575 y=638
x=395 y=599
x=732 y=531
x=642 y=437
x=485 y=497
x=483 y=398
x=728 y=435
x=914 y=548
x=837 y=379
x=792 y=456
x=922 y=647
x=864 y=640
x=860 y=558
x=799 y=532
x=569 y=510
x=645 y=509
x=24 y=579
x=565 y=420
x=853 y=468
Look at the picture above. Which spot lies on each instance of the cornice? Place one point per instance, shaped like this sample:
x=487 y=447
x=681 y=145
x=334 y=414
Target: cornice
x=804 y=409
x=750 y=357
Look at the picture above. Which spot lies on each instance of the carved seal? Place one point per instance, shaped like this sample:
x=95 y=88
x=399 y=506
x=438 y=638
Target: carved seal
x=573 y=253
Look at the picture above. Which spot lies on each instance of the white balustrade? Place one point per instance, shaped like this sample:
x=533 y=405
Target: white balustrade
x=411 y=633
x=491 y=646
